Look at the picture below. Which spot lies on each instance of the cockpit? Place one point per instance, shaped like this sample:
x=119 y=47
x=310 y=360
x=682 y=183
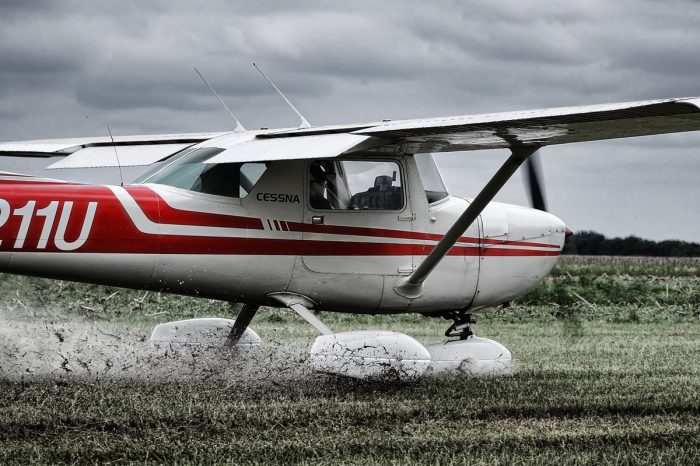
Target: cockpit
x=334 y=184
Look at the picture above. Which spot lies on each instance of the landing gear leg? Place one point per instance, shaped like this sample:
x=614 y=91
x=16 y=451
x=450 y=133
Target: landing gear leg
x=245 y=315
x=461 y=325
x=301 y=305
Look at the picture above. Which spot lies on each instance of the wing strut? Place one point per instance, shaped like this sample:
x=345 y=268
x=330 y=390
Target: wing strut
x=412 y=286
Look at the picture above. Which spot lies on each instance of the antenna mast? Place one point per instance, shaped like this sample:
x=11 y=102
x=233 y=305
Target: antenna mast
x=119 y=165
x=304 y=122
x=239 y=126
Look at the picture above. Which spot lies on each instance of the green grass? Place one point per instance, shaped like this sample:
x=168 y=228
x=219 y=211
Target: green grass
x=608 y=376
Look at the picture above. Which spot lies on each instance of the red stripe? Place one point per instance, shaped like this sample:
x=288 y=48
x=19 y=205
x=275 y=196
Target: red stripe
x=518 y=243
x=170 y=215
x=271 y=247
x=264 y=246
x=351 y=231
x=403 y=234
x=496 y=252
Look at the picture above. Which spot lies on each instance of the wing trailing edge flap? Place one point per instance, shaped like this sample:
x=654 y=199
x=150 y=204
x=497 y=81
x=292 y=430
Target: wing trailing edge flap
x=99 y=151
x=129 y=156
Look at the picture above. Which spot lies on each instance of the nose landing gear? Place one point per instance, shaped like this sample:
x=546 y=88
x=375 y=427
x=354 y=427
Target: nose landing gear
x=461 y=325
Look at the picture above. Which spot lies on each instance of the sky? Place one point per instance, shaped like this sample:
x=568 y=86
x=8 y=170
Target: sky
x=70 y=68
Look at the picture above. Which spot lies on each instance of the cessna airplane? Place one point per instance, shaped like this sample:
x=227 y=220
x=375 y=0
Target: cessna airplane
x=347 y=218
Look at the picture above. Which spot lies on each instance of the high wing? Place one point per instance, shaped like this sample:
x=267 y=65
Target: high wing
x=99 y=151
x=530 y=127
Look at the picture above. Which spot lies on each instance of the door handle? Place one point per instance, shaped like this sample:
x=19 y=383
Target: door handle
x=317 y=220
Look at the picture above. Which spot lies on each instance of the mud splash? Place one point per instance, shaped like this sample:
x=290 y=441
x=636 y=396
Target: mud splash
x=40 y=344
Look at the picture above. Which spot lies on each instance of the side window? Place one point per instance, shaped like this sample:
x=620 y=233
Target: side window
x=430 y=176
x=355 y=185
x=251 y=172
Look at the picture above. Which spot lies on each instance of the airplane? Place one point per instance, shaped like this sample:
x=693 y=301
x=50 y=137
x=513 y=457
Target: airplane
x=348 y=218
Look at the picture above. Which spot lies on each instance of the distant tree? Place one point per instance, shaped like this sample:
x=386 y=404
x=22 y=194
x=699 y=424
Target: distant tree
x=595 y=244
x=584 y=243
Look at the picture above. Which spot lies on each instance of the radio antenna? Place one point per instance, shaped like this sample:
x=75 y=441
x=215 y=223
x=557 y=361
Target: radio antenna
x=304 y=122
x=119 y=165
x=239 y=126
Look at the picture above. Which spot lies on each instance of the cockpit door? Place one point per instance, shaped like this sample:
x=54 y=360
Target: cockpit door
x=357 y=217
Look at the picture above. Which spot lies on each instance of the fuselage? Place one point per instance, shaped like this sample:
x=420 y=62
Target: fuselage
x=276 y=236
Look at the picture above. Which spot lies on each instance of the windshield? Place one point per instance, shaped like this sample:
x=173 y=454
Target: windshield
x=190 y=172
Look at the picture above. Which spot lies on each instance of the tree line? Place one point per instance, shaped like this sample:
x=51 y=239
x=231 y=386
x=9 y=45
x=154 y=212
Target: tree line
x=595 y=244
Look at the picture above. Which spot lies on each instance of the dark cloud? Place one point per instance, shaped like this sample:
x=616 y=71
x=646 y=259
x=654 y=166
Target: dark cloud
x=14 y=8
x=67 y=68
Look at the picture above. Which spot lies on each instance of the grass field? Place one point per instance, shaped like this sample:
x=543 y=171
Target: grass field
x=607 y=350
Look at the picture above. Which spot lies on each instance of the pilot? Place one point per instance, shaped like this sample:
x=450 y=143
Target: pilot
x=317 y=187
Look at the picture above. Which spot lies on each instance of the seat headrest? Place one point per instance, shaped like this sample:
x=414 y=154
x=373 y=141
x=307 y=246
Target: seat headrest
x=383 y=181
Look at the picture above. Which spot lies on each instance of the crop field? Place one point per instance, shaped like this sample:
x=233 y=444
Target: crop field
x=608 y=354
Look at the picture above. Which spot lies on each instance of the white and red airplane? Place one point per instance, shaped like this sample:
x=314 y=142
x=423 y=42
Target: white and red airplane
x=349 y=218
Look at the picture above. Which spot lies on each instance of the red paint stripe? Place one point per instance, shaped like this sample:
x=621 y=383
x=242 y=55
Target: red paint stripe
x=518 y=243
x=343 y=248
x=271 y=247
x=264 y=246
x=497 y=252
x=403 y=234
x=350 y=231
x=170 y=215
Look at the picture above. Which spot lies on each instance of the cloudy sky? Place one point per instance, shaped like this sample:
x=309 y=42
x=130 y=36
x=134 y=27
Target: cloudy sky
x=69 y=68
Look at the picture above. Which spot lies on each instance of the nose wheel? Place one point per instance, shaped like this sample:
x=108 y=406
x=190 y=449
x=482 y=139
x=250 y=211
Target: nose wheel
x=461 y=325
